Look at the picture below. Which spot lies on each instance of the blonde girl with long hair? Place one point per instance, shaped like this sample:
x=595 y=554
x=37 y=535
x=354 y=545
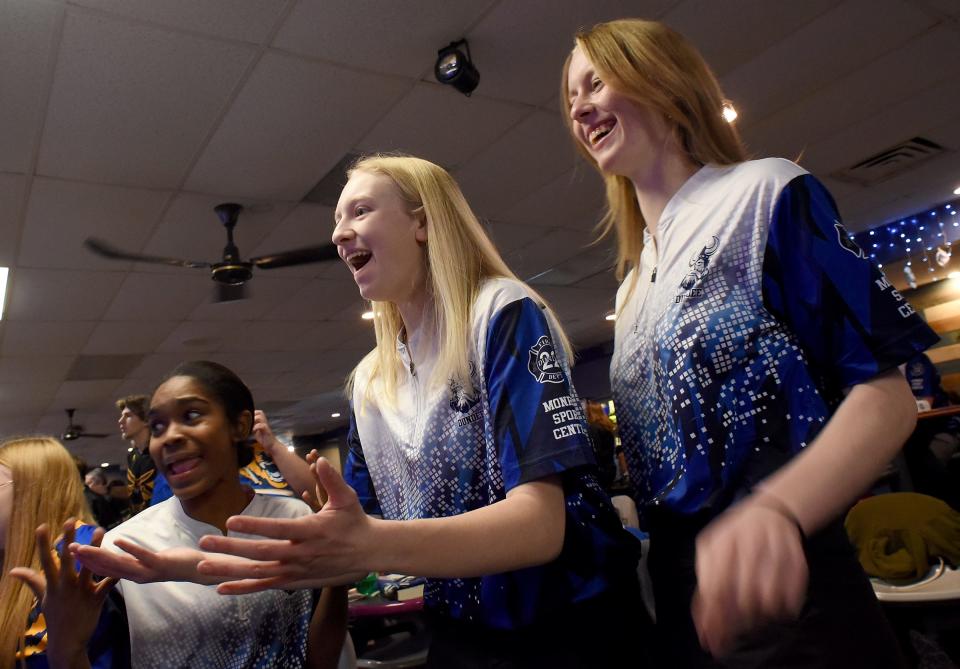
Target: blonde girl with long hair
x=469 y=462
x=754 y=368
x=40 y=486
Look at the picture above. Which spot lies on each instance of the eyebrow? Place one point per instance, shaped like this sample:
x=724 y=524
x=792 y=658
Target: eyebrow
x=179 y=401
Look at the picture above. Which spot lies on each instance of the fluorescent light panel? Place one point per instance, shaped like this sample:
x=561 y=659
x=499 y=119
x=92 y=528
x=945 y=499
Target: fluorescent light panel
x=4 y=273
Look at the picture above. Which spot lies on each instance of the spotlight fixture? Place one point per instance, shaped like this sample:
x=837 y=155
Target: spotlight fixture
x=729 y=112
x=455 y=68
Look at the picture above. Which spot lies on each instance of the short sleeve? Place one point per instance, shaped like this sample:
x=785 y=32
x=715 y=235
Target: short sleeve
x=538 y=424
x=850 y=320
x=161 y=490
x=355 y=471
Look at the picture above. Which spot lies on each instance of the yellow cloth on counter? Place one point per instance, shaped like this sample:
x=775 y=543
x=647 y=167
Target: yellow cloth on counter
x=899 y=535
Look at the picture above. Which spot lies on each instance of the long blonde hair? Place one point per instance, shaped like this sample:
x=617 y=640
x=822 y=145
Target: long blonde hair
x=47 y=488
x=656 y=67
x=459 y=256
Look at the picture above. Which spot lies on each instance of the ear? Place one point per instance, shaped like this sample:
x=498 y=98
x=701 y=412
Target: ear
x=421 y=230
x=241 y=429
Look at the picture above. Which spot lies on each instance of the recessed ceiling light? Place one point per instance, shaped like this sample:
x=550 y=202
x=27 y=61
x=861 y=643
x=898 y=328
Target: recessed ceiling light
x=290 y=448
x=729 y=113
x=130 y=450
x=104 y=464
x=367 y=316
x=335 y=414
x=610 y=317
x=4 y=272
x=956 y=191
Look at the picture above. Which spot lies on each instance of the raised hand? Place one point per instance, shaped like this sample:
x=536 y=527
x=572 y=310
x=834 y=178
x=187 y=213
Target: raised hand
x=70 y=601
x=326 y=548
x=262 y=432
x=751 y=569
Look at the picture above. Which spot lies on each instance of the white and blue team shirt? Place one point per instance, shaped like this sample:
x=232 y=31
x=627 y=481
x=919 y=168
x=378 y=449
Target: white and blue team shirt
x=181 y=625
x=751 y=314
x=445 y=450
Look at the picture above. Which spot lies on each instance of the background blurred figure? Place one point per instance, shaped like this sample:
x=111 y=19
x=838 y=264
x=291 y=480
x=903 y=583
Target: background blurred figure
x=38 y=478
x=97 y=492
x=603 y=436
x=141 y=472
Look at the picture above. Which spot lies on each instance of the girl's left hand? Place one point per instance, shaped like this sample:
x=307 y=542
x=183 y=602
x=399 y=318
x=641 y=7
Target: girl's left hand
x=330 y=547
x=70 y=601
x=141 y=565
x=751 y=569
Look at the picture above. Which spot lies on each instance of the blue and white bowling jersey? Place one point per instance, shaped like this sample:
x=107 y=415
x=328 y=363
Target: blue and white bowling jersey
x=751 y=314
x=445 y=450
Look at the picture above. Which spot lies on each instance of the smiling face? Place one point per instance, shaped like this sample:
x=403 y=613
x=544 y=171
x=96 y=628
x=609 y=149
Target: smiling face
x=623 y=137
x=192 y=441
x=380 y=240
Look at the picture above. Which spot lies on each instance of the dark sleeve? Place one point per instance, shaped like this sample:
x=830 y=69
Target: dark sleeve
x=539 y=427
x=850 y=320
x=355 y=471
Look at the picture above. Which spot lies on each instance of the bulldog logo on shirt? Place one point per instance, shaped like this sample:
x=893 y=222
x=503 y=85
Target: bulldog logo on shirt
x=461 y=399
x=699 y=268
x=543 y=362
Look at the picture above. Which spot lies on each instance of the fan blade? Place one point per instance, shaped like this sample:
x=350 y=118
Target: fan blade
x=101 y=248
x=94 y=435
x=302 y=256
x=226 y=292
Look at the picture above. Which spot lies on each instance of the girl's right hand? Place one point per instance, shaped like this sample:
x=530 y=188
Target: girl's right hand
x=70 y=601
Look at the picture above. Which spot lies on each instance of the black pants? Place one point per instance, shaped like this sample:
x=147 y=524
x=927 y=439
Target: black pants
x=612 y=630
x=841 y=624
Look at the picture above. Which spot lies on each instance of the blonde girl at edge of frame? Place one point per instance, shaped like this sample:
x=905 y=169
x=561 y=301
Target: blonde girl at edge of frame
x=469 y=459
x=755 y=364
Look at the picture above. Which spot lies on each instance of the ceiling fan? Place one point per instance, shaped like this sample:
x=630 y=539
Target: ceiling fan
x=74 y=432
x=231 y=273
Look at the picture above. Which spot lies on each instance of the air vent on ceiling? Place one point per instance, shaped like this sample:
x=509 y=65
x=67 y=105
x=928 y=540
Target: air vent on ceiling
x=327 y=190
x=890 y=162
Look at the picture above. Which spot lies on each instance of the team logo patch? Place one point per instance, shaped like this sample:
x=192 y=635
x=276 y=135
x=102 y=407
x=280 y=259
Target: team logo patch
x=846 y=241
x=461 y=399
x=543 y=362
x=699 y=268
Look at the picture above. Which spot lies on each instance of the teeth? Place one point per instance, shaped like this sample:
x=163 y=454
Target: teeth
x=358 y=259
x=600 y=132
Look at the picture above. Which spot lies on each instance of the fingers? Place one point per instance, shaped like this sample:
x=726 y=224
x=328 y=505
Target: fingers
x=339 y=493
x=250 y=585
x=311 y=500
x=34 y=580
x=142 y=554
x=108 y=563
x=85 y=576
x=227 y=567
x=296 y=529
x=254 y=549
x=47 y=564
x=67 y=573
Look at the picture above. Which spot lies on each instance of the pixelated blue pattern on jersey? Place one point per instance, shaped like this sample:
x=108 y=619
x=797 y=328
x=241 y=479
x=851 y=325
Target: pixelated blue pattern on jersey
x=452 y=448
x=761 y=313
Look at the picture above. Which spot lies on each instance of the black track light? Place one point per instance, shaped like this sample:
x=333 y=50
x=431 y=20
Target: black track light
x=455 y=68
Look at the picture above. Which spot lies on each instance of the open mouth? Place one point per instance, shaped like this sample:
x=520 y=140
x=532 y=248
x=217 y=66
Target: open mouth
x=357 y=259
x=600 y=132
x=182 y=466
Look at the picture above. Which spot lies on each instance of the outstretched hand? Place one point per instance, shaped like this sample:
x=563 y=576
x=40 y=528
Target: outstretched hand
x=70 y=601
x=329 y=547
x=142 y=565
x=262 y=432
x=751 y=569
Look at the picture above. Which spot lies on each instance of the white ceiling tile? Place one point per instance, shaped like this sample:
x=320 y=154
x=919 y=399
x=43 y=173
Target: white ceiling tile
x=898 y=75
x=45 y=338
x=365 y=34
x=732 y=32
x=245 y=20
x=573 y=200
x=821 y=51
x=127 y=337
x=159 y=297
x=20 y=393
x=509 y=238
x=61 y=214
x=306 y=225
x=550 y=250
x=438 y=123
x=267 y=362
x=27 y=30
x=86 y=395
x=291 y=123
x=519 y=47
x=318 y=299
x=263 y=294
x=132 y=104
x=286 y=336
x=152 y=368
x=33 y=369
x=529 y=156
x=11 y=201
x=43 y=294
x=193 y=338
